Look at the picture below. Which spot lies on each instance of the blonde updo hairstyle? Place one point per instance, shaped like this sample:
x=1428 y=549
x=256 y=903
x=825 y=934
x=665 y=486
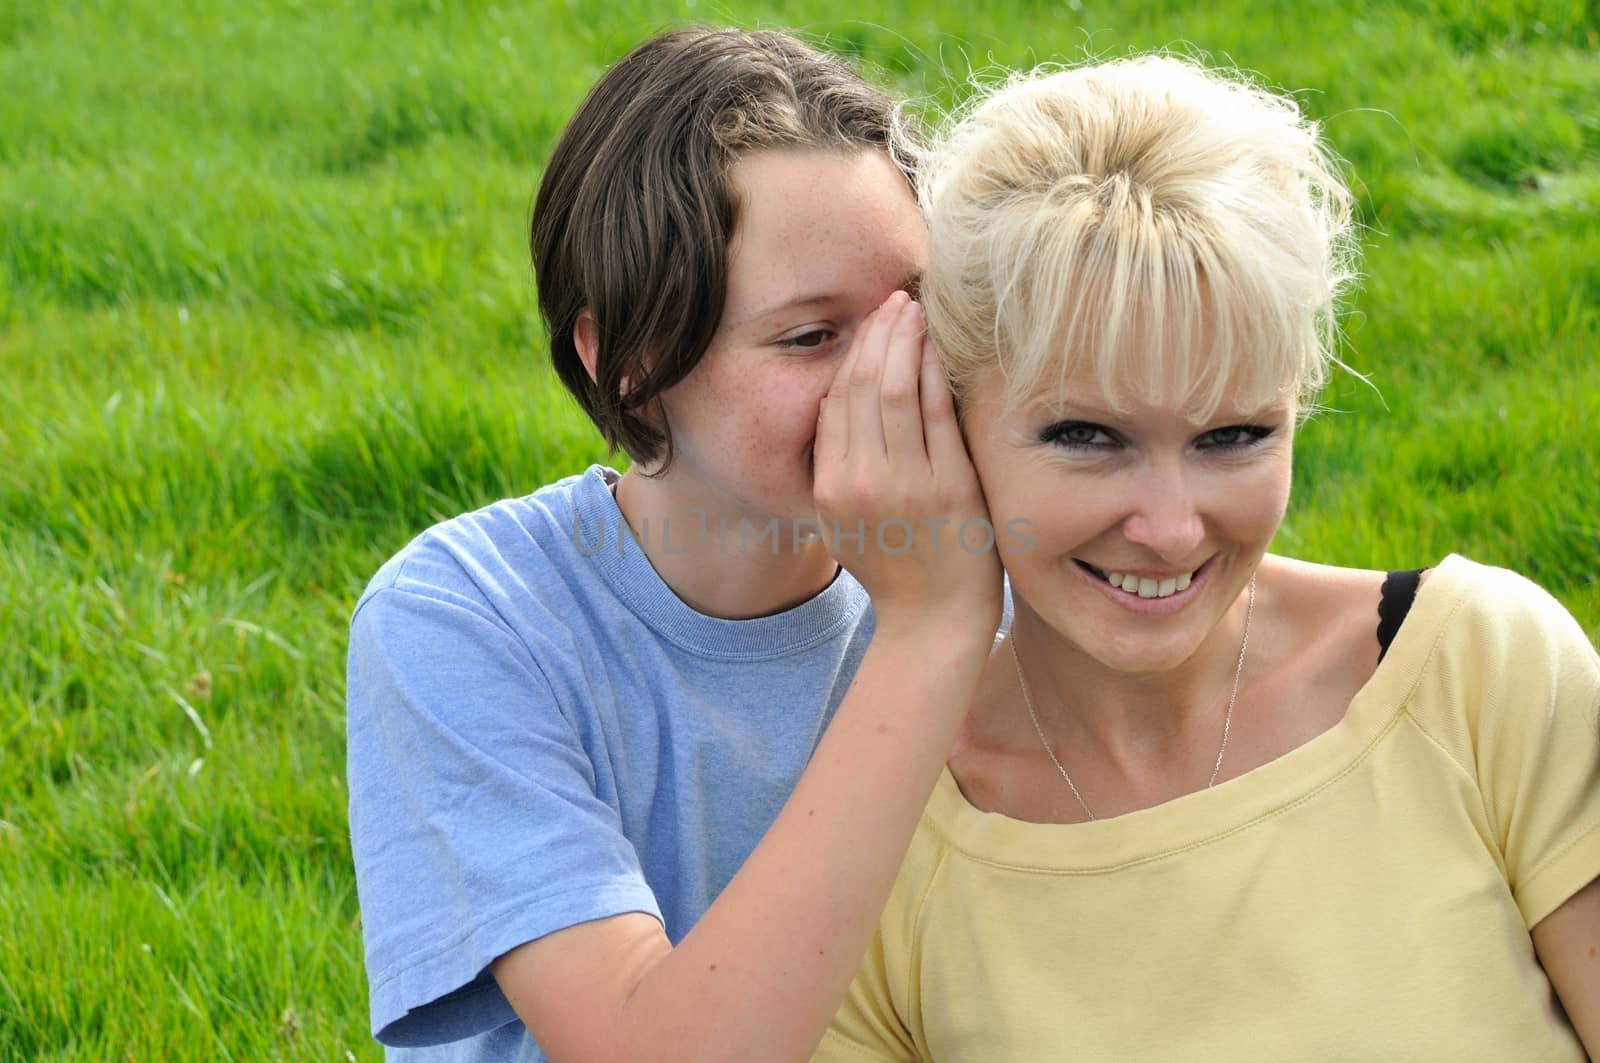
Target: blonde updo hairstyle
x=1172 y=232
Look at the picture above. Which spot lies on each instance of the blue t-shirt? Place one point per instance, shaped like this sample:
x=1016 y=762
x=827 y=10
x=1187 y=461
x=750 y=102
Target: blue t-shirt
x=542 y=733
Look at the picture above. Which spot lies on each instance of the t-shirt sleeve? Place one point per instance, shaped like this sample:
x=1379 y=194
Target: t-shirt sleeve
x=866 y=1027
x=475 y=824
x=1538 y=743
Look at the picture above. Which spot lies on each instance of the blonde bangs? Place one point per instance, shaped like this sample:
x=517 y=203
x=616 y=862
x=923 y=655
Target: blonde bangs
x=1160 y=321
x=1172 y=235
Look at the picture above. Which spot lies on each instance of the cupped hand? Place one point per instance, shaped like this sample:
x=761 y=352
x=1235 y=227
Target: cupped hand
x=896 y=494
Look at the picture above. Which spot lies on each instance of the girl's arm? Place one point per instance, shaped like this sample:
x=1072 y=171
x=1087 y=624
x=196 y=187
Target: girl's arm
x=762 y=972
x=1568 y=943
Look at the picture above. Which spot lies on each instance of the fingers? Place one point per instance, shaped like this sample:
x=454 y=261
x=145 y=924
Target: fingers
x=904 y=475
x=833 y=424
x=899 y=407
x=872 y=409
x=864 y=376
x=838 y=419
x=947 y=451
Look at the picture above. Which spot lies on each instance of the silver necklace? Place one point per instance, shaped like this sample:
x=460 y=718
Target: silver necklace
x=1227 y=719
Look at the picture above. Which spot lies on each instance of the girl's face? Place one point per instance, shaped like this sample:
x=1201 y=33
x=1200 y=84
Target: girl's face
x=1143 y=527
x=822 y=240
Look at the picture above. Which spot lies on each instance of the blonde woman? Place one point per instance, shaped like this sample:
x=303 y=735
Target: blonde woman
x=1212 y=803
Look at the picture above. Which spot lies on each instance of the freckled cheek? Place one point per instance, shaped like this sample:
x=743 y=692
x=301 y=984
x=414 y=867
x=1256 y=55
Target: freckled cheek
x=798 y=399
x=778 y=417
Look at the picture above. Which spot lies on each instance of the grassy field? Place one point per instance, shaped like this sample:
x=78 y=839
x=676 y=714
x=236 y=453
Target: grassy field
x=265 y=313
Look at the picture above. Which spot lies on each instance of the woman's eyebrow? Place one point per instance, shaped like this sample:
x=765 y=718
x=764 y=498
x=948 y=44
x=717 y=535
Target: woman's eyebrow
x=1069 y=410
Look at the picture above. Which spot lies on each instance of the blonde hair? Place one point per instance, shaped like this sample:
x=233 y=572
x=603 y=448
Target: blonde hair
x=1176 y=232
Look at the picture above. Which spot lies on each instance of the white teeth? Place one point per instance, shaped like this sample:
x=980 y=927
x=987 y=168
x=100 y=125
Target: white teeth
x=1149 y=588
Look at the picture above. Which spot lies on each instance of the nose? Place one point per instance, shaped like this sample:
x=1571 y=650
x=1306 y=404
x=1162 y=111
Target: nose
x=1164 y=518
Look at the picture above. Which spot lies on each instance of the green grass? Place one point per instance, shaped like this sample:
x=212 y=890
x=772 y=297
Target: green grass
x=265 y=313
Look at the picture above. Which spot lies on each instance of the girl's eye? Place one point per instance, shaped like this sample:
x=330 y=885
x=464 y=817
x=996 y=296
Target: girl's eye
x=1076 y=434
x=807 y=341
x=1234 y=437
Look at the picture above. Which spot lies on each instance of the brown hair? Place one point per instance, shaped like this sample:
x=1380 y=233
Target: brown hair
x=636 y=207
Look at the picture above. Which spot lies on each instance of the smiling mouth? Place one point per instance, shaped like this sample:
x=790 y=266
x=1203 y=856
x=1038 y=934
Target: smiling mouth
x=1136 y=586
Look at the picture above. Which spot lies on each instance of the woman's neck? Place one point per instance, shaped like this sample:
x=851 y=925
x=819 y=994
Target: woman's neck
x=1106 y=721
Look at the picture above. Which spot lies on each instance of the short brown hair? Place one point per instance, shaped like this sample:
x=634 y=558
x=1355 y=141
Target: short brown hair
x=636 y=207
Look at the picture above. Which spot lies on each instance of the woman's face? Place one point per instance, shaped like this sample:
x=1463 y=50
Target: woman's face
x=1143 y=527
x=822 y=240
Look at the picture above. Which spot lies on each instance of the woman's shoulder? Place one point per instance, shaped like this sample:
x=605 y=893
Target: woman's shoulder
x=1480 y=642
x=1461 y=575
x=1326 y=606
x=1501 y=616
x=1321 y=586
x=1327 y=593
x=1457 y=598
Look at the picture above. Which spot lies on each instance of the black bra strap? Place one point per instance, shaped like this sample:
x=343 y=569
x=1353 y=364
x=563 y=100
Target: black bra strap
x=1394 y=602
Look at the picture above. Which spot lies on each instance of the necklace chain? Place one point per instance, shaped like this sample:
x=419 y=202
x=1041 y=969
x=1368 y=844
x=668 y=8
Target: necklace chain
x=1227 y=719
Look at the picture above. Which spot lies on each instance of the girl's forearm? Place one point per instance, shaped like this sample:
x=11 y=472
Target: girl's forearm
x=763 y=971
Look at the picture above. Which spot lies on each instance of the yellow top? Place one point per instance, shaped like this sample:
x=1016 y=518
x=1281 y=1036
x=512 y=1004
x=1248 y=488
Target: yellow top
x=1366 y=896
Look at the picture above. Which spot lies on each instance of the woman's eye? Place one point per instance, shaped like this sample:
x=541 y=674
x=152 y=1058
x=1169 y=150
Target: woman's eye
x=1077 y=434
x=807 y=341
x=1234 y=435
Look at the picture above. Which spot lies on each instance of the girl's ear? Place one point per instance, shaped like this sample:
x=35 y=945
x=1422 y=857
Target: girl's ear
x=586 y=338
